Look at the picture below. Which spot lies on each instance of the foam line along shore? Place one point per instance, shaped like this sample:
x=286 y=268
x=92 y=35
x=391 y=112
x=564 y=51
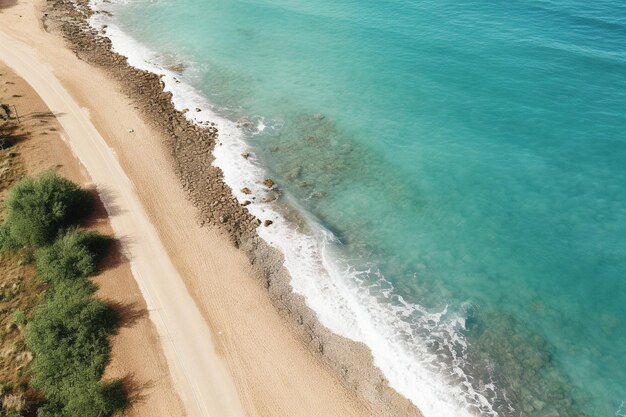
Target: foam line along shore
x=340 y=300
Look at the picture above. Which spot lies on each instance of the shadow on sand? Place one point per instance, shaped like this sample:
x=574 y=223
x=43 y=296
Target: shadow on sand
x=5 y=4
x=128 y=313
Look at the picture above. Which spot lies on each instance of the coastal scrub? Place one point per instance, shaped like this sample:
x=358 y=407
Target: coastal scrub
x=68 y=333
x=38 y=208
x=73 y=255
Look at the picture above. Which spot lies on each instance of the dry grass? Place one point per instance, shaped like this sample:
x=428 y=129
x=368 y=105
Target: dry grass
x=11 y=164
x=20 y=292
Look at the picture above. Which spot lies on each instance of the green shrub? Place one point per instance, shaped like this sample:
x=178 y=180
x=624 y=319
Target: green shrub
x=73 y=255
x=95 y=399
x=70 y=291
x=84 y=399
x=18 y=317
x=68 y=335
x=6 y=242
x=38 y=208
x=69 y=332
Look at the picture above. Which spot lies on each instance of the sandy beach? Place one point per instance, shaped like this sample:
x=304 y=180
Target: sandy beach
x=233 y=344
x=137 y=356
x=185 y=338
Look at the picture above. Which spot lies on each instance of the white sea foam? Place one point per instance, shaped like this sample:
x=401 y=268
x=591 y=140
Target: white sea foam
x=397 y=332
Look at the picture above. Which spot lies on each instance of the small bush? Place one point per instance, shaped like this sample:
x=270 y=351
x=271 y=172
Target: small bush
x=74 y=255
x=18 y=317
x=71 y=291
x=6 y=241
x=82 y=398
x=38 y=208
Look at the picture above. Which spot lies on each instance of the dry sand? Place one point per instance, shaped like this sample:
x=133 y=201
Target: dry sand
x=137 y=357
x=203 y=381
x=229 y=352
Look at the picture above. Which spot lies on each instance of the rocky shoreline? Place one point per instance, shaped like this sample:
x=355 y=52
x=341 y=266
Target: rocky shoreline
x=191 y=148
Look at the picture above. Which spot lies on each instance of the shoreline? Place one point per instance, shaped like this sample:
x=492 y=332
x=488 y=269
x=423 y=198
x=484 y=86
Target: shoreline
x=301 y=361
x=191 y=148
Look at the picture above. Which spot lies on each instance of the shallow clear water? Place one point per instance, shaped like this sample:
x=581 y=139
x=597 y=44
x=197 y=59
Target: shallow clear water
x=469 y=158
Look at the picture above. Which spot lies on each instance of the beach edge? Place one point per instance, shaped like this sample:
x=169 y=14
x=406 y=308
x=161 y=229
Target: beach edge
x=191 y=149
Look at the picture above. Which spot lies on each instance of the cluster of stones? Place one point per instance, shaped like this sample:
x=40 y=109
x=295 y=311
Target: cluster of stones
x=190 y=145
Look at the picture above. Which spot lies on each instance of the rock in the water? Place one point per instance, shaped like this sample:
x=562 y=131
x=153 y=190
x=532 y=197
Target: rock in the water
x=267 y=223
x=268 y=183
x=246 y=190
x=244 y=122
x=177 y=68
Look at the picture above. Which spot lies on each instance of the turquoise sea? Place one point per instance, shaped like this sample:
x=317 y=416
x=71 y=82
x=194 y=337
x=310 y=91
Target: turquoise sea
x=453 y=178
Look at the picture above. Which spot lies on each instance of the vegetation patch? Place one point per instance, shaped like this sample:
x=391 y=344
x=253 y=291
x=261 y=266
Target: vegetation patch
x=68 y=332
x=74 y=255
x=20 y=292
x=69 y=336
x=37 y=209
